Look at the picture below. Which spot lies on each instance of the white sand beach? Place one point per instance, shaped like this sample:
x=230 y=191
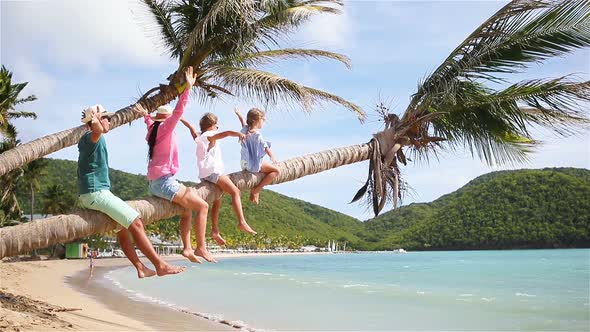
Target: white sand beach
x=57 y=295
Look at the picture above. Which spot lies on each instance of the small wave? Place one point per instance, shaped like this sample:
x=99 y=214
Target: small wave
x=406 y=266
x=465 y=295
x=256 y=274
x=488 y=299
x=354 y=285
x=525 y=295
x=420 y=292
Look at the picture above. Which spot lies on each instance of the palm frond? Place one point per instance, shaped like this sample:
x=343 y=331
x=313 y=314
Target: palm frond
x=232 y=19
x=265 y=57
x=22 y=114
x=161 y=12
x=522 y=32
x=272 y=88
x=554 y=103
x=281 y=18
x=25 y=100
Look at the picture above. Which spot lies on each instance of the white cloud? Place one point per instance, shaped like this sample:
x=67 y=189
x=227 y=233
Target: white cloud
x=70 y=33
x=40 y=83
x=331 y=31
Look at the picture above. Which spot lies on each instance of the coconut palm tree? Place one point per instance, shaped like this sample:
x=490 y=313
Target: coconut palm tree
x=11 y=210
x=57 y=200
x=453 y=108
x=9 y=99
x=227 y=43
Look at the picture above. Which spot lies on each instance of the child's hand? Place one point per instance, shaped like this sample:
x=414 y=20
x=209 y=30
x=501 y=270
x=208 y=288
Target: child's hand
x=274 y=161
x=139 y=109
x=241 y=136
x=237 y=111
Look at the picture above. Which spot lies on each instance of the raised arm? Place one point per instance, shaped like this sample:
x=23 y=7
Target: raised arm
x=240 y=117
x=228 y=133
x=224 y=134
x=190 y=127
x=170 y=124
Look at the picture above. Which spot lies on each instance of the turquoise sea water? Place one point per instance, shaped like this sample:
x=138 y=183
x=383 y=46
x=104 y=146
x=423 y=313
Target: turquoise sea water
x=460 y=290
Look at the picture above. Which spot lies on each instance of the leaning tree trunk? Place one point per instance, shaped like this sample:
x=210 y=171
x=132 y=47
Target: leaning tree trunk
x=42 y=233
x=40 y=147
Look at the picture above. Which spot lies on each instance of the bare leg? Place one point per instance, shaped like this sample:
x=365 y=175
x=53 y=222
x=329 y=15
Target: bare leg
x=215 y=235
x=271 y=172
x=143 y=243
x=229 y=187
x=188 y=198
x=127 y=247
x=185 y=235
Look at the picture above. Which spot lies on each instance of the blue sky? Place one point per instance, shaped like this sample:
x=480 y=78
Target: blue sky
x=79 y=53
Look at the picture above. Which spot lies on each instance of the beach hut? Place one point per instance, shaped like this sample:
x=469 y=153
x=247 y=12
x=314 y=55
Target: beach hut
x=76 y=250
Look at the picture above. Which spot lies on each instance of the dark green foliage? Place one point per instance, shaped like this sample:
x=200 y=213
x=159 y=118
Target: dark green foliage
x=547 y=208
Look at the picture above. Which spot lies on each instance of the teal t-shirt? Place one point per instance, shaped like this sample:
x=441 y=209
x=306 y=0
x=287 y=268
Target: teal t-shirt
x=93 y=165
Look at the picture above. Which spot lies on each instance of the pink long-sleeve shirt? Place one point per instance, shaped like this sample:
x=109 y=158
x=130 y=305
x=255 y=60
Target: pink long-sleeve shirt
x=165 y=155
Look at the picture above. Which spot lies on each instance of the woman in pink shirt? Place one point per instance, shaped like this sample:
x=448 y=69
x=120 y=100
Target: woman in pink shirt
x=163 y=165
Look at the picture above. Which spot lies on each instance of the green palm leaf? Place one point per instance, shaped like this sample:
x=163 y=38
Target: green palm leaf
x=265 y=57
x=161 y=12
x=267 y=86
x=522 y=32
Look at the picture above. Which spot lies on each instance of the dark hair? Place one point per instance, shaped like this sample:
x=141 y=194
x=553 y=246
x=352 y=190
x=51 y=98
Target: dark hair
x=152 y=139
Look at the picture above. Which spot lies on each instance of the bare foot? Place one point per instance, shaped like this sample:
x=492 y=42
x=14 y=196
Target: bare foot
x=145 y=272
x=190 y=255
x=166 y=268
x=205 y=254
x=217 y=237
x=254 y=197
x=243 y=226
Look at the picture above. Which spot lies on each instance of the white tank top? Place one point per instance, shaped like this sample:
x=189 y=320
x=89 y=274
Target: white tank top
x=209 y=162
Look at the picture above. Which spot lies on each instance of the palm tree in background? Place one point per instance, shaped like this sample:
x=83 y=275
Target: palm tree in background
x=11 y=210
x=467 y=102
x=227 y=43
x=57 y=200
x=9 y=99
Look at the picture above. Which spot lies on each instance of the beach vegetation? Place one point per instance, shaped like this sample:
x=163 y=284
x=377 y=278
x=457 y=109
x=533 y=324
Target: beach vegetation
x=11 y=98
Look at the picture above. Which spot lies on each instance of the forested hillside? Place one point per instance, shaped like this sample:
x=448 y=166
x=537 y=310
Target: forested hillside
x=548 y=208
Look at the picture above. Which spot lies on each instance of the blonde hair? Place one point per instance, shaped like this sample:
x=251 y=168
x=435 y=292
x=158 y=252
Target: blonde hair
x=254 y=115
x=208 y=120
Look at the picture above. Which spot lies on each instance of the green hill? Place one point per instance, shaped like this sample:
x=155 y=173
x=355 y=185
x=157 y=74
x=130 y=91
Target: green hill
x=548 y=208
x=280 y=220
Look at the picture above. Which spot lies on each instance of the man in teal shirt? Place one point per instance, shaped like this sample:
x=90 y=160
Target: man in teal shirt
x=94 y=190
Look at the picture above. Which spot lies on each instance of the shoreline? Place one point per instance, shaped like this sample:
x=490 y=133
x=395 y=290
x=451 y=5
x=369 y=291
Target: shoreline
x=77 y=303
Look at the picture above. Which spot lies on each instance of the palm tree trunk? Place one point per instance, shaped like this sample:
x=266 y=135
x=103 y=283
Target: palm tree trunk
x=40 y=147
x=42 y=233
x=32 y=202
